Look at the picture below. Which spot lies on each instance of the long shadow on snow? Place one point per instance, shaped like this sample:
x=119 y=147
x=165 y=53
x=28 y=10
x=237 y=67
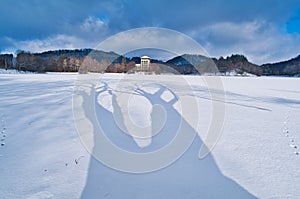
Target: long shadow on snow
x=188 y=177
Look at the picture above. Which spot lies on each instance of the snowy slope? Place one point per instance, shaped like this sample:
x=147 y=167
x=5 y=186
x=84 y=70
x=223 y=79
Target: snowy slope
x=43 y=157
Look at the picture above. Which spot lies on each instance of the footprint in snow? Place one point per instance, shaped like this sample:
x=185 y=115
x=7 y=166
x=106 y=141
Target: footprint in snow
x=293 y=146
x=287 y=133
x=77 y=160
x=285 y=130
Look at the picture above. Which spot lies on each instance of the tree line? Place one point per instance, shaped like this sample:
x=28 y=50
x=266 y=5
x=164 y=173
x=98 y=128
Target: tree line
x=89 y=60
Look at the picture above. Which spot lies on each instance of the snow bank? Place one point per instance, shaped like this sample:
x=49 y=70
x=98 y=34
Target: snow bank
x=12 y=71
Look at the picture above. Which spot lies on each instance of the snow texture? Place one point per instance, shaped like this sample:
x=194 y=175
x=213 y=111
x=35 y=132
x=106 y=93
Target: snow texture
x=257 y=155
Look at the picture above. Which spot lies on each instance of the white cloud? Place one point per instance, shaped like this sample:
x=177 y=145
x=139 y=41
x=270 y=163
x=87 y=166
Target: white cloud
x=155 y=38
x=51 y=43
x=92 y=24
x=260 y=41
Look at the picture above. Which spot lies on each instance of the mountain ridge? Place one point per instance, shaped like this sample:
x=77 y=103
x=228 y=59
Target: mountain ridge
x=63 y=60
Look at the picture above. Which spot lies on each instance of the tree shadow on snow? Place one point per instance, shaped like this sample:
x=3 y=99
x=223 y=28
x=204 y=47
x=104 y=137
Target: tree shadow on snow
x=188 y=177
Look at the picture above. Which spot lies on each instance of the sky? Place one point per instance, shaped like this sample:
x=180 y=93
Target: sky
x=263 y=30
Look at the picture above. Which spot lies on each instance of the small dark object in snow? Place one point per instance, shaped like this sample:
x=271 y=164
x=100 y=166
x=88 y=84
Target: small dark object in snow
x=45 y=170
x=66 y=164
x=77 y=160
x=296 y=153
x=2 y=144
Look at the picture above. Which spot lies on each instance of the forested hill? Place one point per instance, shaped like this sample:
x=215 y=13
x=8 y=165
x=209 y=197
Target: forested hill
x=99 y=61
x=288 y=68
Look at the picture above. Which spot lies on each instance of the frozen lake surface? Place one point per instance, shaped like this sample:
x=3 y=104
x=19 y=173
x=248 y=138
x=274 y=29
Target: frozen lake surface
x=256 y=155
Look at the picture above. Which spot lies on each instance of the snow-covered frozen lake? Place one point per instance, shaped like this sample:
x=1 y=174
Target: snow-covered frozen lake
x=256 y=156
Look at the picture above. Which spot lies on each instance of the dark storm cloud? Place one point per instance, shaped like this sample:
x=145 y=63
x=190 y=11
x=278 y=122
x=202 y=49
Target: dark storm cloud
x=183 y=15
x=25 y=19
x=32 y=18
x=219 y=25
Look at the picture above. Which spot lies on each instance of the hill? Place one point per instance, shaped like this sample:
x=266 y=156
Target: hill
x=84 y=60
x=288 y=68
x=235 y=63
